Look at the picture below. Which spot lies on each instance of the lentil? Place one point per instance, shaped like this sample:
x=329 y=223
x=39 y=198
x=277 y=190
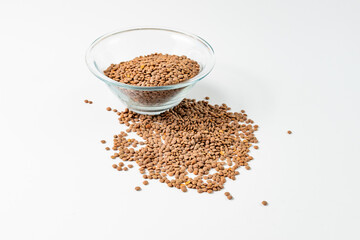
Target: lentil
x=182 y=145
x=154 y=70
x=265 y=203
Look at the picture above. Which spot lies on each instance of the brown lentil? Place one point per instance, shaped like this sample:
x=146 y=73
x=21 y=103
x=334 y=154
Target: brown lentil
x=103 y=141
x=227 y=194
x=229 y=197
x=137 y=188
x=181 y=146
x=86 y=101
x=108 y=108
x=289 y=132
x=145 y=182
x=265 y=203
x=154 y=70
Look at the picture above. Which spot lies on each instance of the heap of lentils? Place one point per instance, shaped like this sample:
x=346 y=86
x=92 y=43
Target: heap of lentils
x=154 y=70
x=195 y=145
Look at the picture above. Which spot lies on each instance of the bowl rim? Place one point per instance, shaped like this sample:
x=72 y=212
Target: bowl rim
x=94 y=69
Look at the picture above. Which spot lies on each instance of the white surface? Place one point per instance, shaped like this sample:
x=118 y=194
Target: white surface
x=290 y=64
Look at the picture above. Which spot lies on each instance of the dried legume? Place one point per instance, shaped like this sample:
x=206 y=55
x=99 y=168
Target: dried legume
x=181 y=146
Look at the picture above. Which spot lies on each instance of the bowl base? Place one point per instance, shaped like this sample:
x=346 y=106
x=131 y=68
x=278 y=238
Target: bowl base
x=153 y=110
x=147 y=112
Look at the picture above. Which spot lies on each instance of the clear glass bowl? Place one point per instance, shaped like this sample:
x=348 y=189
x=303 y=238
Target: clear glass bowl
x=127 y=44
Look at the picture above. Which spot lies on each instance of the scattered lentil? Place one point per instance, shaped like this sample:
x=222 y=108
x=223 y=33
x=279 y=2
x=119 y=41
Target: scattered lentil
x=103 y=141
x=145 y=182
x=108 y=108
x=289 y=132
x=229 y=197
x=137 y=188
x=265 y=203
x=182 y=145
x=86 y=101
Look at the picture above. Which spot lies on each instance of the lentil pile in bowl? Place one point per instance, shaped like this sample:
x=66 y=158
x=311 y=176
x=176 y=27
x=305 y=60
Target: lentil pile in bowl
x=154 y=70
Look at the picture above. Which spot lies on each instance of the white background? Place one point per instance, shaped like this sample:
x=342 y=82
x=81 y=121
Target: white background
x=290 y=64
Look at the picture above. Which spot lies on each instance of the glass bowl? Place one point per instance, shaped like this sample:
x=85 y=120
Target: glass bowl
x=124 y=45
